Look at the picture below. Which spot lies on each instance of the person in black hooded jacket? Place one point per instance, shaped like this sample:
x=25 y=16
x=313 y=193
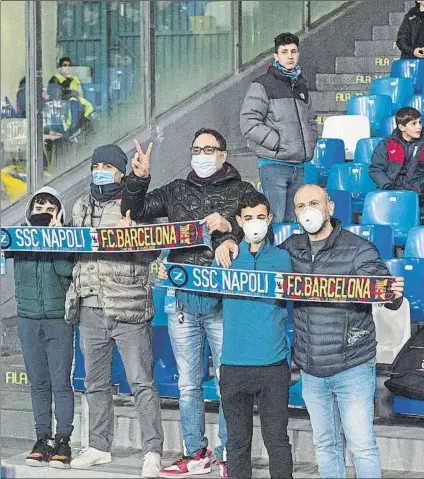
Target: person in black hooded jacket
x=410 y=37
x=212 y=193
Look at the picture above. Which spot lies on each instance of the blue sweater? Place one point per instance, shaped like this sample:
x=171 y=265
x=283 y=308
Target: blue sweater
x=254 y=328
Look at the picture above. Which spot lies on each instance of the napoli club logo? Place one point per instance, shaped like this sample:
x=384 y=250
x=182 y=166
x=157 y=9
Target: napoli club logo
x=178 y=276
x=6 y=239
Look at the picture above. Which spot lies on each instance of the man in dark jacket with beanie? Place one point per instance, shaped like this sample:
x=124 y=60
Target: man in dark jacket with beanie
x=335 y=343
x=279 y=125
x=211 y=192
x=410 y=37
x=111 y=298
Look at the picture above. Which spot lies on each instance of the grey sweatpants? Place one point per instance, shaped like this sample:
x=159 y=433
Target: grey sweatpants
x=98 y=335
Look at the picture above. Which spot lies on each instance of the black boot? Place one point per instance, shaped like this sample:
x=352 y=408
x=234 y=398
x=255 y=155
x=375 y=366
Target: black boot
x=61 y=456
x=40 y=454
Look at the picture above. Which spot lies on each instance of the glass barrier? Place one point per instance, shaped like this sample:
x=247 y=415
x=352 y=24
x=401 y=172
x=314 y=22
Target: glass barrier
x=262 y=21
x=193 y=48
x=13 y=123
x=92 y=78
x=319 y=8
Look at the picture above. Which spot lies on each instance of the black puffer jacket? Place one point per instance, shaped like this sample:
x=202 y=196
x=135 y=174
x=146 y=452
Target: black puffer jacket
x=409 y=31
x=189 y=200
x=332 y=337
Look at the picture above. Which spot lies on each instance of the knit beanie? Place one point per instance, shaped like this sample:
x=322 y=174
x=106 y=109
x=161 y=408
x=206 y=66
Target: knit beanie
x=112 y=154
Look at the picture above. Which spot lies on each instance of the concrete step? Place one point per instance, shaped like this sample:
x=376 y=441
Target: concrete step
x=345 y=81
x=333 y=100
x=396 y=19
x=365 y=65
x=365 y=48
x=409 y=4
x=385 y=32
x=13 y=375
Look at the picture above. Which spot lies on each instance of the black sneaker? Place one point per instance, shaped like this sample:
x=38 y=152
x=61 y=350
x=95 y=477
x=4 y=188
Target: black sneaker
x=40 y=454
x=61 y=455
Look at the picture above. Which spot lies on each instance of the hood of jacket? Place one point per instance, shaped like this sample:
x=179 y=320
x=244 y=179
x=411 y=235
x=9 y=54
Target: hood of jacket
x=50 y=191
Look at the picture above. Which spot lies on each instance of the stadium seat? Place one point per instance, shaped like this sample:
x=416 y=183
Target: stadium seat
x=416 y=101
x=399 y=89
x=355 y=179
x=410 y=68
x=393 y=329
x=343 y=201
x=372 y=106
x=380 y=236
x=398 y=209
x=311 y=173
x=414 y=246
x=387 y=125
x=412 y=269
x=349 y=128
x=328 y=152
x=365 y=148
x=283 y=230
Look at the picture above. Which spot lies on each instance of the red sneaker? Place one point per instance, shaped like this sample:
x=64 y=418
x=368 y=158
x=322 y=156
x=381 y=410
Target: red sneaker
x=186 y=466
x=223 y=469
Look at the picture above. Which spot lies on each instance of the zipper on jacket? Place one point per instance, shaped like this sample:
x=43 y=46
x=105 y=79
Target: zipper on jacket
x=300 y=124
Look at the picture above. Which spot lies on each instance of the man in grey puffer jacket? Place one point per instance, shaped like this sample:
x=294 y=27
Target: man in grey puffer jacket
x=111 y=298
x=279 y=125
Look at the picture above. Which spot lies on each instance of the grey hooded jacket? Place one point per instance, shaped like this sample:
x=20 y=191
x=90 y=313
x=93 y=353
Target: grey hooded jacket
x=277 y=121
x=120 y=280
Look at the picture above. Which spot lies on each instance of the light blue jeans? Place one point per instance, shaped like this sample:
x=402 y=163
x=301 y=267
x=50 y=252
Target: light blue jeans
x=346 y=397
x=187 y=333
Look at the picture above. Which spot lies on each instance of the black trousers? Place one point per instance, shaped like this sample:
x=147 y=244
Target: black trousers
x=239 y=385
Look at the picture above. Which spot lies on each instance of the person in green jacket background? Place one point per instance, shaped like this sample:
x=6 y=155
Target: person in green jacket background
x=41 y=282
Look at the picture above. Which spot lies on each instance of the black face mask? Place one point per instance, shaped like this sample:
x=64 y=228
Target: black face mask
x=40 y=219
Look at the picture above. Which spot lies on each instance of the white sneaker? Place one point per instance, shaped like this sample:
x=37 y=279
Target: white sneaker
x=151 y=465
x=90 y=456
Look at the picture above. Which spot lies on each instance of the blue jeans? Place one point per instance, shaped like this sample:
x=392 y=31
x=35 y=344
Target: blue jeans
x=188 y=341
x=346 y=397
x=280 y=183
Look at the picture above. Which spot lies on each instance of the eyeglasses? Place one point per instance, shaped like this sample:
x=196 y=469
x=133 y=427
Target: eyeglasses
x=208 y=150
x=66 y=64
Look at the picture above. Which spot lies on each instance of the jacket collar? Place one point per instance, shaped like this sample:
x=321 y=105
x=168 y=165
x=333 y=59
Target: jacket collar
x=303 y=242
x=280 y=75
x=226 y=174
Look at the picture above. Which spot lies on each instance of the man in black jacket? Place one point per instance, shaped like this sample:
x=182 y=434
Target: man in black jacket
x=410 y=37
x=335 y=343
x=211 y=192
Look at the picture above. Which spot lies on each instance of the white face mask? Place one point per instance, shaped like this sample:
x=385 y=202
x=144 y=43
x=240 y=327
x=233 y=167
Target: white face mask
x=255 y=230
x=204 y=165
x=311 y=219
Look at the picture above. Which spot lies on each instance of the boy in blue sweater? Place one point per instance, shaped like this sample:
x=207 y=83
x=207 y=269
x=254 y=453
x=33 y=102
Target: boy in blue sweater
x=254 y=361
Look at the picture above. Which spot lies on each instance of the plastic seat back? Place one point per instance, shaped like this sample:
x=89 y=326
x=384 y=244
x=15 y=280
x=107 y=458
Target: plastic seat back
x=387 y=125
x=343 y=201
x=365 y=148
x=399 y=89
x=412 y=68
x=349 y=128
x=372 y=106
x=416 y=101
x=381 y=236
x=282 y=231
x=414 y=246
x=328 y=152
x=412 y=270
x=398 y=209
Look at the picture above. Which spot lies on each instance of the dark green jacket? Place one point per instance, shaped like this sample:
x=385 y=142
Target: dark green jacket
x=41 y=283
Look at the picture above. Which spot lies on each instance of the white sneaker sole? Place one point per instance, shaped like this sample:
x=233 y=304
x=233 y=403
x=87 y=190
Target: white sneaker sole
x=59 y=465
x=186 y=474
x=35 y=463
x=99 y=462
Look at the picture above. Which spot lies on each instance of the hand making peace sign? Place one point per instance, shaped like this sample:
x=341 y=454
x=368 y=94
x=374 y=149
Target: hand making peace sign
x=141 y=160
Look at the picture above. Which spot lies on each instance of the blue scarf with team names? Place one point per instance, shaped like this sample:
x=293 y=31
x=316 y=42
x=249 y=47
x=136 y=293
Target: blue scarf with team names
x=292 y=74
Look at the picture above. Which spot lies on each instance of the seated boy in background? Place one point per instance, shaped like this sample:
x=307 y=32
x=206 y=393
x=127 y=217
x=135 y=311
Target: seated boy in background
x=254 y=361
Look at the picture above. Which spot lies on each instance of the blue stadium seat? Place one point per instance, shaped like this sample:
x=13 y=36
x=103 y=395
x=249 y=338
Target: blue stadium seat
x=412 y=269
x=283 y=230
x=399 y=89
x=398 y=209
x=354 y=178
x=410 y=68
x=379 y=235
x=414 y=246
x=372 y=106
x=387 y=125
x=416 y=101
x=365 y=148
x=343 y=201
x=328 y=152
x=311 y=173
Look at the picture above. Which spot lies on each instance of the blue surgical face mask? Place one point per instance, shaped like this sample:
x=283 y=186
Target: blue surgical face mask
x=103 y=177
